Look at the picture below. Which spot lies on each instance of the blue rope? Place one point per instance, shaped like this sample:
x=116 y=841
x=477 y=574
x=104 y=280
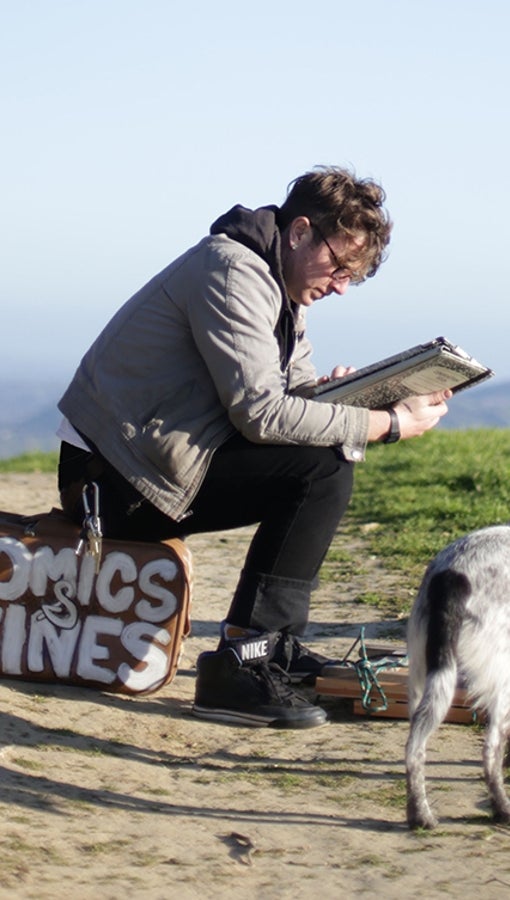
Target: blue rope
x=367 y=672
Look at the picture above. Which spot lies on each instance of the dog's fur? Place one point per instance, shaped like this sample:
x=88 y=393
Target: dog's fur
x=459 y=632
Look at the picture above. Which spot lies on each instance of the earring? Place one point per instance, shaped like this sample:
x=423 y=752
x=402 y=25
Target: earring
x=293 y=246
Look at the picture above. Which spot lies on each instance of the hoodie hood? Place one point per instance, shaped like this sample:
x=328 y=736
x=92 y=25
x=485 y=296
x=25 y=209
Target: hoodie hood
x=258 y=231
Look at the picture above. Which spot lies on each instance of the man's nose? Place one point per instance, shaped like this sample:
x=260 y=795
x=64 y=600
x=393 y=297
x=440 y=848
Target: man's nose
x=339 y=287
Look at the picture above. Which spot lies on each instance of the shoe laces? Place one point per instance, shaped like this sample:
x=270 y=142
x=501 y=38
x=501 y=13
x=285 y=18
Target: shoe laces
x=277 y=681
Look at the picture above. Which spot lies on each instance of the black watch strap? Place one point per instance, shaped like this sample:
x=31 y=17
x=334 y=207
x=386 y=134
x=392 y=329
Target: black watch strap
x=394 y=433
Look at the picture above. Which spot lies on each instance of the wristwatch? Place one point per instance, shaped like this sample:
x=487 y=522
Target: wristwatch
x=394 y=433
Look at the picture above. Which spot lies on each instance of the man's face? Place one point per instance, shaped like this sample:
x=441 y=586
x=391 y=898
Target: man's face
x=313 y=269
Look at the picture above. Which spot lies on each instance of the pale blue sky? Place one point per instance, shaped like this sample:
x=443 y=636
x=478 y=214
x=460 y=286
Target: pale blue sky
x=128 y=126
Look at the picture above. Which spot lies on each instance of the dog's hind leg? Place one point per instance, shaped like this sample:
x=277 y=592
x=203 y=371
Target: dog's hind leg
x=494 y=750
x=434 y=630
x=432 y=709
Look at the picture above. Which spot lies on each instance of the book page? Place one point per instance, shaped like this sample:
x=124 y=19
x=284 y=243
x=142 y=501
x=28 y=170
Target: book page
x=434 y=378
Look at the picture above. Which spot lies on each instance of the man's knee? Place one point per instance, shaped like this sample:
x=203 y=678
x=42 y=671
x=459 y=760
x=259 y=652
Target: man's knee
x=325 y=463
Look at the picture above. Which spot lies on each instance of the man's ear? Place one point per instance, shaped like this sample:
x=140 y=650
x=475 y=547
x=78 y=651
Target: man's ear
x=298 y=228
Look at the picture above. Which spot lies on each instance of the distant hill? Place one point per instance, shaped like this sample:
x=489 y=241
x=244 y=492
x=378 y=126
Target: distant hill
x=486 y=406
x=29 y=416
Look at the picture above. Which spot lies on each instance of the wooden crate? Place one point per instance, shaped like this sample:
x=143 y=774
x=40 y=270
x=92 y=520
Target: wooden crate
x=343 y=682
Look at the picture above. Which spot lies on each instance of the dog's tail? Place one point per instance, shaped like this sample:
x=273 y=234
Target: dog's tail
x=433 y=639
x=447 y=592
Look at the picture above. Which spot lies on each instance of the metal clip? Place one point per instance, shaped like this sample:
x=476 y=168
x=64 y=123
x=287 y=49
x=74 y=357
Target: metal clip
x=91 y=536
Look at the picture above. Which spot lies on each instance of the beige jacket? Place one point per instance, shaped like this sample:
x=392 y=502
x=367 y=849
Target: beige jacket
x=190 y=359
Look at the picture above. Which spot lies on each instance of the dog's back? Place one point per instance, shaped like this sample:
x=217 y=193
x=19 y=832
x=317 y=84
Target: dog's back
x=459 y=628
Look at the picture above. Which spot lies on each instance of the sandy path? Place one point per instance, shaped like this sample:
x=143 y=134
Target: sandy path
x=107 y=796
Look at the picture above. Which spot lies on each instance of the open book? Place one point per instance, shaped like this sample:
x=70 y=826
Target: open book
x=434 y=366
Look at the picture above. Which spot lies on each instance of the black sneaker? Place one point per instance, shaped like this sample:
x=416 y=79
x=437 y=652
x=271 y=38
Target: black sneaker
x=301 y=664
x=256 y=693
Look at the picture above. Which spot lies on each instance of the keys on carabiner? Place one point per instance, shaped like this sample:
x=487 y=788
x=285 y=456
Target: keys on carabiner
x=91 y=536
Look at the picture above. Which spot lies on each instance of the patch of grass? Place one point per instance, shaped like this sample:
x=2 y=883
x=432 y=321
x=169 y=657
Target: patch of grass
x=158 y=792
x=29 y=764
x=424 y=493
x=288 y=781
x=413 y=498
x=64 y=732
x=393 y=794
x=432 y=835
x=333 y=781
x=99 y=848
x=391 y=605
x=339 y=564
x=15 y=844
x=94 y=750
x=30 y=462
x=367 y=859
x=38 y=699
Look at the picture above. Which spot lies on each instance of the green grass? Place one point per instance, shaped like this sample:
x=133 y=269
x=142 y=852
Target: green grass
x=30 y=462
x=411 y=499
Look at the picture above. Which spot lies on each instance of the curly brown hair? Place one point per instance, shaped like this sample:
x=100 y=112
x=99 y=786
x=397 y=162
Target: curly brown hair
x=339 y=203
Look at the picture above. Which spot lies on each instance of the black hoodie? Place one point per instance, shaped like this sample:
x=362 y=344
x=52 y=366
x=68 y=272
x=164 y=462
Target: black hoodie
x=258 y=230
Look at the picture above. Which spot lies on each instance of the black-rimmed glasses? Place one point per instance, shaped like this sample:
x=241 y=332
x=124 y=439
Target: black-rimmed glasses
x=341 y=271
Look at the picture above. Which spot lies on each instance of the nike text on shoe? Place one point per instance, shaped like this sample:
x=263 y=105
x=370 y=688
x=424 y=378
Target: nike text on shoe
x=301 y=664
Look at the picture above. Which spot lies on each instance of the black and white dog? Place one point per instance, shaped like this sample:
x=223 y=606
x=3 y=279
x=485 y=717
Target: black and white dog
x=459 y=630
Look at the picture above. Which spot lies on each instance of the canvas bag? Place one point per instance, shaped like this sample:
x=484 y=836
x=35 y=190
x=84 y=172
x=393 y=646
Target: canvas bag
x=115 y=623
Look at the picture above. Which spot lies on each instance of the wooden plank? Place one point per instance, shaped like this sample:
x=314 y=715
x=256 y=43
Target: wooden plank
x=374 y=651
x=343 y=682
x=461 y=715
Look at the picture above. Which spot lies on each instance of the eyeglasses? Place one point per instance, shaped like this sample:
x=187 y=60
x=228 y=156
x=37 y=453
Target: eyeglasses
x=341 y=271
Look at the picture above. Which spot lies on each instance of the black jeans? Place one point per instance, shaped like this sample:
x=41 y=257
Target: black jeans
x=296 y=494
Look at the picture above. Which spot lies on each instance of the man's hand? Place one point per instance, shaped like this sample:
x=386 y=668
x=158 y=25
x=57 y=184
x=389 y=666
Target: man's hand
x=337 y=372
x=416 y=415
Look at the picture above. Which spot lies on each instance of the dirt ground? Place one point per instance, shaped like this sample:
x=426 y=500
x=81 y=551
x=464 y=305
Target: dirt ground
x=109 y=796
